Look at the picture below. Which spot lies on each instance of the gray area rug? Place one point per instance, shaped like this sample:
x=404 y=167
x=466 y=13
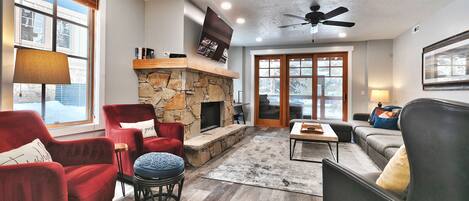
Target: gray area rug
x=264 y=162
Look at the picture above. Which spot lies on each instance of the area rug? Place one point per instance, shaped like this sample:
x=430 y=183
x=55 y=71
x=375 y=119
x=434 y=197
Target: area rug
x=264 y=162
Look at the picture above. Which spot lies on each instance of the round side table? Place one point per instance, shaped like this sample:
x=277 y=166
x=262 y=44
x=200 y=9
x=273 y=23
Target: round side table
x=118 y=149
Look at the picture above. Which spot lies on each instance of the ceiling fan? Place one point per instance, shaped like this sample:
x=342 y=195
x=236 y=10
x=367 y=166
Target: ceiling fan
x=316 y=17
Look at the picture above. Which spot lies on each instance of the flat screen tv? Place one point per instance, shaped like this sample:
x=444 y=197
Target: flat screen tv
x=215 y=38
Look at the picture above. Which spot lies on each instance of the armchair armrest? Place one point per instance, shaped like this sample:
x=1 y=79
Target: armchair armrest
x=340 y=183
x=131 y=136
x=361 y=116
x=79 y=152
x=33 y=181
x=171 y=130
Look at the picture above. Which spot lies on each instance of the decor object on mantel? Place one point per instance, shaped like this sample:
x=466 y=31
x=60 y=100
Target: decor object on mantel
x=182 y=63
x=41 y=67
x=445 y=64
x=379 y=96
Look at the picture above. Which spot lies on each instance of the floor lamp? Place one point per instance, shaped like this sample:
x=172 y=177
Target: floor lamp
x=41 y=67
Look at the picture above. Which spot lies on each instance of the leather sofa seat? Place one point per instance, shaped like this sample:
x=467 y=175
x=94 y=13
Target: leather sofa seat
x=356 y=124
x=389 y=152
x=364 y=132
x=381 y=142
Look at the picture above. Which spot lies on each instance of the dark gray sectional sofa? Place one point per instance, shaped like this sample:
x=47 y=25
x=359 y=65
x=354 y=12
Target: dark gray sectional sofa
x=379 y=144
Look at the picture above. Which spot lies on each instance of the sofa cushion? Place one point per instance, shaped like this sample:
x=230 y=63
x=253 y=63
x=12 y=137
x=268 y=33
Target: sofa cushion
x=85 y=182
x=163 y=144
x=364 y=132
x=355 y=124
x=381 y=142
x=389 y=152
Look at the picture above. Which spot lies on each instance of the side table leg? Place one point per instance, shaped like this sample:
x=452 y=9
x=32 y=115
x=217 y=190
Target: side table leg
x=121 y=171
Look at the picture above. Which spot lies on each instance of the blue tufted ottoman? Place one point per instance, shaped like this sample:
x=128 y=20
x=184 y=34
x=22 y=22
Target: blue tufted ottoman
x=158 y=170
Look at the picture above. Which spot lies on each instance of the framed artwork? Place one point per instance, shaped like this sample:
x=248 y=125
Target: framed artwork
x=445 y=64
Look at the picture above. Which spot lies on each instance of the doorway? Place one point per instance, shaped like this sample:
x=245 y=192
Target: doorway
x=301 y=86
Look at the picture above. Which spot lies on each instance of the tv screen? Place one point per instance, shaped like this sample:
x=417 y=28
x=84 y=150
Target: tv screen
x=215 y=38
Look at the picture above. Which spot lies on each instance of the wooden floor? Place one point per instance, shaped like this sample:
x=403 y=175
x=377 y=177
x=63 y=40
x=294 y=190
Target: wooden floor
x=197 y=188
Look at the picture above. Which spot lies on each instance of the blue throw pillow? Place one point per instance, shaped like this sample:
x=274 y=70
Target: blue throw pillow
x=386 y=123
x=390 y=108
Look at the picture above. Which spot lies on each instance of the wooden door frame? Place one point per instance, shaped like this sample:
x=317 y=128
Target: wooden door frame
x=285 y=82
x=345 y=80
x=270 y=122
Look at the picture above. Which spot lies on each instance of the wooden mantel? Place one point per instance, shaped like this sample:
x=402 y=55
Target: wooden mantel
x=182 y=63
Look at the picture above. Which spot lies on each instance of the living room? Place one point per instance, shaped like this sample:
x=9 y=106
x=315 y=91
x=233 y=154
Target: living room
x=234 y=100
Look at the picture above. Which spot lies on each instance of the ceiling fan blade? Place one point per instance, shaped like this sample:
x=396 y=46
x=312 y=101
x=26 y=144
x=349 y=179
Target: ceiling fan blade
x=295 y=16
x=335 y=12
x=293 y=25
x=338 y=23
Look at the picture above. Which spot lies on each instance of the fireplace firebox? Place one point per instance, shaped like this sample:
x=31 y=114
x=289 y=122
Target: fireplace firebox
x=210 y=116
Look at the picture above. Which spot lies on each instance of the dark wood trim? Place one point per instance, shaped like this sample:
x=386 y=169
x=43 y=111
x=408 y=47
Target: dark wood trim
x=284 y=86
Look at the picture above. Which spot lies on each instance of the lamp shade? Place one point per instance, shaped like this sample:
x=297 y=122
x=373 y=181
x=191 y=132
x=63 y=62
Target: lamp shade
x=379 y=95
x=41 y=67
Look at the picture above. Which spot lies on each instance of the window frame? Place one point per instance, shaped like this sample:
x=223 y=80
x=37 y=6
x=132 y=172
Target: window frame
x=90 y=56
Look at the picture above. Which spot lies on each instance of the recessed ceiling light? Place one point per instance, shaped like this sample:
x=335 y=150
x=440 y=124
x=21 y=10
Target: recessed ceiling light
x=240 y=20
x=259 y=39
x=342 y=35
x=226 y=5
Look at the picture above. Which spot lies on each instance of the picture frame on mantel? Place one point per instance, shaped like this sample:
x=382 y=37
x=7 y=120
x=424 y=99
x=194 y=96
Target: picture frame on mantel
x=445 y=64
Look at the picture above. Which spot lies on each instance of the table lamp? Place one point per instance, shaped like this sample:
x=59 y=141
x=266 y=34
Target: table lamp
x=379 y=96
x=41 y=67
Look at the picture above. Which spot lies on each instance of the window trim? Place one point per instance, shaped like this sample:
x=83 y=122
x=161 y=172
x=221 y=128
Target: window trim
x=90 y=58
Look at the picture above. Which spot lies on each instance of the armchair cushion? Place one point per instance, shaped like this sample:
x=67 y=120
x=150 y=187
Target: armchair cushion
x=28 y=153
x=147 y=127
x=163 y=144
x=82 y=152
x=90 y=182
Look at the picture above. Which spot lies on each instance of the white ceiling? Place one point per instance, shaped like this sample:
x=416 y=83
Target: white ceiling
x=375 y=19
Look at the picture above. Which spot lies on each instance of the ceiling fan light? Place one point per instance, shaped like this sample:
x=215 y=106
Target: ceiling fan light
x=314 y=29
x=226 y=5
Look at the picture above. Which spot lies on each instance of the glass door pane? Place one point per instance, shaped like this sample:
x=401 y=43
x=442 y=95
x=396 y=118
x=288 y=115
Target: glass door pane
x=330 y=84
x=300 y=88
x=269 y=89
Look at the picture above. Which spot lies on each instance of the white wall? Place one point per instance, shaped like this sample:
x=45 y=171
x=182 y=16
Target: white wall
x=164 y=25
x=448 y=21
x=235 y=63
x=370 y=60
x=124 y=32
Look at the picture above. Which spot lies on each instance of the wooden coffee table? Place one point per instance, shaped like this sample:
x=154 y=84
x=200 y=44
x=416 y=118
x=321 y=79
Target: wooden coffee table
x=328 y=137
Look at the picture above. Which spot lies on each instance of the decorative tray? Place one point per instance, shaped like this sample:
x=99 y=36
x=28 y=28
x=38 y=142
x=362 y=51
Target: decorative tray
x=311 y=128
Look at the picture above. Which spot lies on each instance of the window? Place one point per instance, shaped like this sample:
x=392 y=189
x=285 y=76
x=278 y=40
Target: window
x=62 y=26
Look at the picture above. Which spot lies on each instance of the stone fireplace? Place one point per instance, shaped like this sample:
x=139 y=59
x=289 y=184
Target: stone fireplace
x=178 y=96
x=210 y=115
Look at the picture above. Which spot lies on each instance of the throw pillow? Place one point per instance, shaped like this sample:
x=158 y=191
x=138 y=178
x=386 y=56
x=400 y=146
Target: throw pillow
x=32 y=152
x=387 y=120
x=376 y=112
x=147 y=127
x=396 y=175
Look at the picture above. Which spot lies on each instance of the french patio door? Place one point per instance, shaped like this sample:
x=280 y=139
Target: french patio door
x=306 y=86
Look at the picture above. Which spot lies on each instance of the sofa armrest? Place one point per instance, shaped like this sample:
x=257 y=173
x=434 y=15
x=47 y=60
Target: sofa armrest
x=171 y=130
x=80 y=152
x=340 y=183
x=361 y=116
x=33 y=182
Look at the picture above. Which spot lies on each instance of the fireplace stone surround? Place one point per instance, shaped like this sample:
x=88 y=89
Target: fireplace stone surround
x=177 y=96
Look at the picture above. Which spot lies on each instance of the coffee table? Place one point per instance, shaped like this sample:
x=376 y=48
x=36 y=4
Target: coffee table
x=329 y=136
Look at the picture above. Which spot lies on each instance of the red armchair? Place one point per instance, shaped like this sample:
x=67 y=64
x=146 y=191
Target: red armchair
x=170 y=135
x=82 y=170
